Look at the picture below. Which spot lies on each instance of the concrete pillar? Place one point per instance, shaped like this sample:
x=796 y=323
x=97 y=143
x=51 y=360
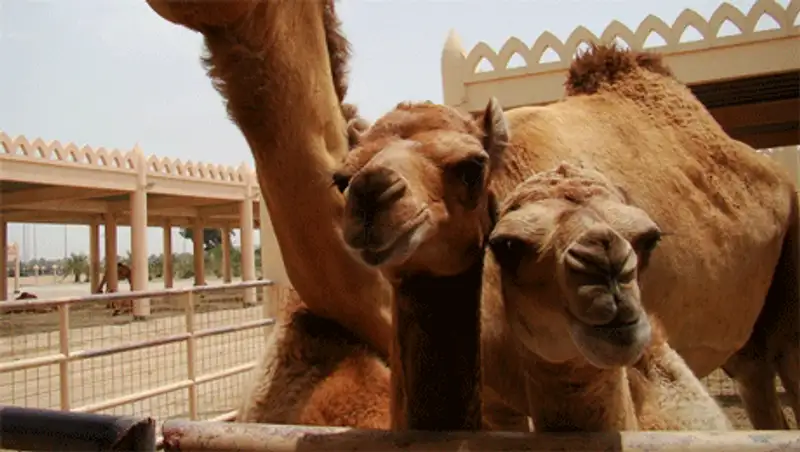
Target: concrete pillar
x=139 y=252
x=94 y=256
x=226 y=255
x=272 y=267
x=169 y=273
x=198 y=254
x=248 y=250
x=3 y=260
x=112 y=283
x=16 y=268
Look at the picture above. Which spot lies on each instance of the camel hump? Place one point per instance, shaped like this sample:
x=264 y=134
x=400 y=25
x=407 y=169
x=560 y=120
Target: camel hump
x=604 y=65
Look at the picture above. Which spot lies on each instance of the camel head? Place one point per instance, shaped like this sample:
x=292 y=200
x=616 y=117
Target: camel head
x=416 y=186
x=571 y=248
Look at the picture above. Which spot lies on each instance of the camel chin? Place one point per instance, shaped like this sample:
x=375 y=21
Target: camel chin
x=607 y=347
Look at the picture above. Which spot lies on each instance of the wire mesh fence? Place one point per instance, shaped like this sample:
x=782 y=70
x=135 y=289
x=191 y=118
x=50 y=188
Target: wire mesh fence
x=189 y=359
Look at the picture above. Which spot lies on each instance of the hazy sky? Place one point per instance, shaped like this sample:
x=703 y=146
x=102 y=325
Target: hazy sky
x=112 y=73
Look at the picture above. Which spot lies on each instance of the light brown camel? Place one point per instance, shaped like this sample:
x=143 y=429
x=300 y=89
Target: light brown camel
x=281 y=67
x=724 y=284
x=123 y=274
x=598 y=350
x=418 y=208
x=264 y=68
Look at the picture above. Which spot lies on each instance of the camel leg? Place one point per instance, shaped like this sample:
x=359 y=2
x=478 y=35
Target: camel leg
x=774 y=344
x=789 y=371
x=755 y=381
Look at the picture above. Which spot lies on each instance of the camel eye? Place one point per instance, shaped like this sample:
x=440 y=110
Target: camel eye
x=341 y=181
x=470 y=171
x=508 y=251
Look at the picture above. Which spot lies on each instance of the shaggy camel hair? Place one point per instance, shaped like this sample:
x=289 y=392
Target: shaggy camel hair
x=575 y=224
x=267 y=55
x=419 y=209
x=627 y=118
x=280 y=66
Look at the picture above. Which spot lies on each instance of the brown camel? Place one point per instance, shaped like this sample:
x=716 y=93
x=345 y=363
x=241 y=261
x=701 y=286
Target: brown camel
x=281 y=67
x=627 y=118
x=264 y=56
x=123 y=274
x=597 y=347
x=418 y=208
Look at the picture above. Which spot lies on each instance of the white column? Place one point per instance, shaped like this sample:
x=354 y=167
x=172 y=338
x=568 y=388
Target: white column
x=272 y=266
x=94 y=256
x=168 y=268
x=198 y=254
x=139 y=252
x=112 y=283
x=3 y=260
x=226 y=255
x=248 y=250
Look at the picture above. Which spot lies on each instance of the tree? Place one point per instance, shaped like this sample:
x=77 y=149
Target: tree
x=212 y=238
x=77 y=265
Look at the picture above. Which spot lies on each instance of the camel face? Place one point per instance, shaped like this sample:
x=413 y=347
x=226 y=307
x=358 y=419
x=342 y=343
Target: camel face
x=571 y=249
x=416 y=188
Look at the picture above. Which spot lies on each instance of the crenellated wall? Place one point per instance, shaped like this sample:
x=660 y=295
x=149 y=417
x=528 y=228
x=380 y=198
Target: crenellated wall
x=765 y=40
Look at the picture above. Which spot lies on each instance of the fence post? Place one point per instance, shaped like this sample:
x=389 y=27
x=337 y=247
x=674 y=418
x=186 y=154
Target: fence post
x=269 y=292
x=191 y=355
x=63 y=348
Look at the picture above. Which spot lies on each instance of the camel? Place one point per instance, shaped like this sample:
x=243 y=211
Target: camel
x=264 y=69
x=626 y=117
x=418 y=209
x=123 y=274
x=597 y=347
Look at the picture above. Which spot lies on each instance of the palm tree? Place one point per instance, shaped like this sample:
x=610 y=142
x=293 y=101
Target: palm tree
x=77 y=265
x=211 y=237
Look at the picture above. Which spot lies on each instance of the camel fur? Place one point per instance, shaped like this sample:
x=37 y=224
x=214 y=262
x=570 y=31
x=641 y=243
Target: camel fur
x=276 y=64
x=596 y=345
x=419 y=209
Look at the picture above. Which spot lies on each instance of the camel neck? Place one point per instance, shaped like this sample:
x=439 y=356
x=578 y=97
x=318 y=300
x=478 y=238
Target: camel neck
x=436 y=374
x=588 y=399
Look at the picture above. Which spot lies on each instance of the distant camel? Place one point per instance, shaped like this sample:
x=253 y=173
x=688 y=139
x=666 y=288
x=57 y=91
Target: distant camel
x=29 y=296
x=123 y=274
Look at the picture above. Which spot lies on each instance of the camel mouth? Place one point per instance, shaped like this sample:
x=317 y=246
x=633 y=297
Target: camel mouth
x=612 y=344
x=396 y=251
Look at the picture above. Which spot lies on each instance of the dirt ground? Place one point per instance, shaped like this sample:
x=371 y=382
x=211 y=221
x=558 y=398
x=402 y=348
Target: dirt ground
x=724 y=390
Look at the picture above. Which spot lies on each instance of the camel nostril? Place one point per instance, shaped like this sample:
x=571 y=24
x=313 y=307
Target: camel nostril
x=376 y=187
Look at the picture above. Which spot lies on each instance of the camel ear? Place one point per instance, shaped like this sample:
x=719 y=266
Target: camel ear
x=355 y=129
x=496 y=134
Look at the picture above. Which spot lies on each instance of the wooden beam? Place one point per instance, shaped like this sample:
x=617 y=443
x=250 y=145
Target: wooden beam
x=32 y=196
x=65 y=206
x=763 y=140
x=760 y=114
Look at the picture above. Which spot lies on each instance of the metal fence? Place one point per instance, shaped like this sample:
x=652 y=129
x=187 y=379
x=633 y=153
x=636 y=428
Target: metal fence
x=46 y=430
x=189 y=359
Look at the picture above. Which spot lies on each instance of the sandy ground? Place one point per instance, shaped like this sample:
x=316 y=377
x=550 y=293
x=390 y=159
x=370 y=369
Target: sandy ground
x=28 y=335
